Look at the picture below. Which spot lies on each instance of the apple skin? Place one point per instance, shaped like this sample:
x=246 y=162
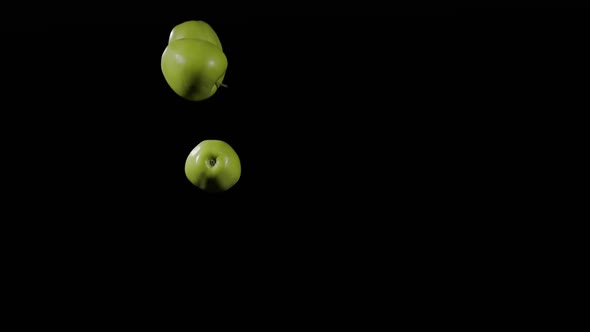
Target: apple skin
x=195 y=30
x=193 y=68
x=213 y=166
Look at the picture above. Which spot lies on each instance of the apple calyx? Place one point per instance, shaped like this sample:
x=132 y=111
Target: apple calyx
x=212 y=162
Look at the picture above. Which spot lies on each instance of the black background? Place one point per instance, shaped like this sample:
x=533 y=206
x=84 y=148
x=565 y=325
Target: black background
x=368 y=145
x=326 y=114
x=341 y=124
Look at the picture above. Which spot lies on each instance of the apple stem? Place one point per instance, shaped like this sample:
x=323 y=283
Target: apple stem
x=223 y=85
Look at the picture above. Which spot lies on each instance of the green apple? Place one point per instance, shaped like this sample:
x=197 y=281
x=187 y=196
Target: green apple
x=213 y=165
x=195 y=30
x=193 y=63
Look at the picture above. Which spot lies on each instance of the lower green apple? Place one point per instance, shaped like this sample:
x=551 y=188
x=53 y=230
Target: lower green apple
x=213 y=165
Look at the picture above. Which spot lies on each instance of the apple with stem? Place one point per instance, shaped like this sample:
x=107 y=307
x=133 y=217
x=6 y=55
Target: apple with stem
x=193 y=63
x=213 y=166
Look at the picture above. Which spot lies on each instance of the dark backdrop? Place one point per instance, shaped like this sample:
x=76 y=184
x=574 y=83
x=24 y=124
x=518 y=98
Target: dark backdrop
x=355 y=153
x=327 y=114
x=393 y=166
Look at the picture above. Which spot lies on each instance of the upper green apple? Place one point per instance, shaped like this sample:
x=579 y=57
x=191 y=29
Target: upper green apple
x=213 y=166
x=193 y=68
x=195 y=30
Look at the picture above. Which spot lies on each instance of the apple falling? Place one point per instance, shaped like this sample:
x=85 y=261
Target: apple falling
x=193 y=63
